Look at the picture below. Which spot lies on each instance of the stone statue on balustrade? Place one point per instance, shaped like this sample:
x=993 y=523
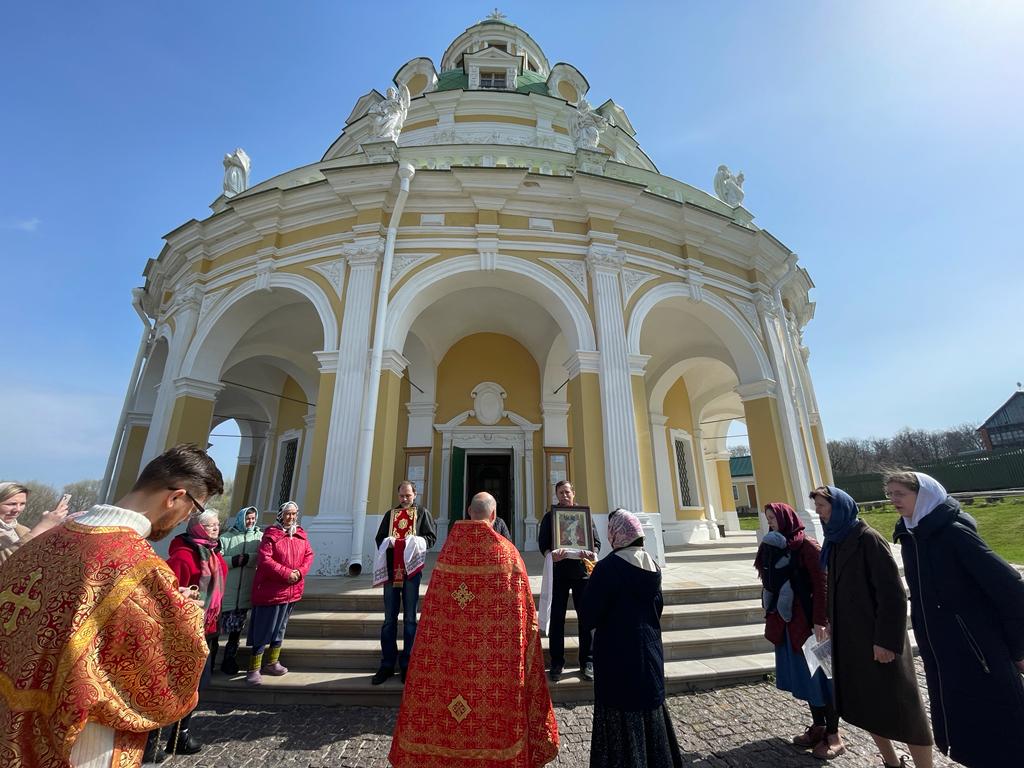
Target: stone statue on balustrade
x=586 y=126
x=729 y=187
x=236 y=172
x=388 y=115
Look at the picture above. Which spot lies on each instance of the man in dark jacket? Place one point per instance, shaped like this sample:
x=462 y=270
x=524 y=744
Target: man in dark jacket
x=400 y=587
x=570 y=575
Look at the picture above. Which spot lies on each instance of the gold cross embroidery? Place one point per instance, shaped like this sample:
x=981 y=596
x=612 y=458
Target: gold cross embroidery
x=459 y=708
x=20 y=601
x=462 y=595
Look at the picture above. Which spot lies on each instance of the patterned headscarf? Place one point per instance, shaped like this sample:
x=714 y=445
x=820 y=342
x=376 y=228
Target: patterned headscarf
x=239 y=524
x=843 y=520
x=211 y=579
x=788 y=524
x=623 y=528
x=290 y=530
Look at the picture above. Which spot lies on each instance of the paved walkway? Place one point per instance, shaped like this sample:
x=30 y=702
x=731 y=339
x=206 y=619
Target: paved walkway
x=744 y=726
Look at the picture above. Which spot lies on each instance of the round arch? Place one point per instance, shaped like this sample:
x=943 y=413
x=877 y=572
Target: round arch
x=728 y=324
x=519 y=275
x=219 y=338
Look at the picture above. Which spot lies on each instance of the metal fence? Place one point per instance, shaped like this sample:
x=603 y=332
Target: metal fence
x=984 y=472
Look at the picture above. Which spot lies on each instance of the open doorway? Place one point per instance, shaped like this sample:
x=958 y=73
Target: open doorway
x=492 y=473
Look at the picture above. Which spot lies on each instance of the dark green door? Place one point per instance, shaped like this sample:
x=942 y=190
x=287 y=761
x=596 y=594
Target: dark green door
x=456 y=484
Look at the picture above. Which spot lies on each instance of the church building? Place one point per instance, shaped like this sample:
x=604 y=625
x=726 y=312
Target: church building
x=483 y=284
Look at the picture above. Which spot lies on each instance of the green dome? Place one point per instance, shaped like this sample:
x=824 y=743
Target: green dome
x=527 y=82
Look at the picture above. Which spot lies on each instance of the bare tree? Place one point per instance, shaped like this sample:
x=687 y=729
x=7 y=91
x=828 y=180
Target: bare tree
x=84 y=494
x=41 y=498
x=907 y=448
x=739 y=450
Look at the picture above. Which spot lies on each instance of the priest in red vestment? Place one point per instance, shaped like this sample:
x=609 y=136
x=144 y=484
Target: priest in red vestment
x=98 y=646
x=476 y=694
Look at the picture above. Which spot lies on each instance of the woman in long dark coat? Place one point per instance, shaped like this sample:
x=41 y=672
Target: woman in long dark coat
x=872 y=664
x=967 y=606
x=622 y=607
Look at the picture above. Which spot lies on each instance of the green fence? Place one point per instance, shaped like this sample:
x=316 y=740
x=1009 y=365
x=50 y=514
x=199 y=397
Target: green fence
x=984 y=472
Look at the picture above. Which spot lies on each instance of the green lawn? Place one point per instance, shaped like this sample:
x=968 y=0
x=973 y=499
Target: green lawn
x=1000 y=523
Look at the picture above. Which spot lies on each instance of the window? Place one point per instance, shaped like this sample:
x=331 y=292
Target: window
x=493 y=80
x=735 y=493
x=288 y=453
x=686 y=470
x=556 y=466
x=417 y=460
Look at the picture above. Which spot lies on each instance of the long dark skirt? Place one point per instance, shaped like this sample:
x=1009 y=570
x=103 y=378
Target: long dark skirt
x=633 y=739
x=268 y=624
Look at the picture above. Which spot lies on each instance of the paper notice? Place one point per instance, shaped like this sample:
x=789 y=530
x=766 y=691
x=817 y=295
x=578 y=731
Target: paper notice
x=818 y=656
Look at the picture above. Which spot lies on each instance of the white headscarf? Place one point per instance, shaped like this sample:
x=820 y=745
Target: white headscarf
x=929 y=496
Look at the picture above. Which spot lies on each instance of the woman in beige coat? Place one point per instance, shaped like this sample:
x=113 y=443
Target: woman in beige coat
x=13 y=499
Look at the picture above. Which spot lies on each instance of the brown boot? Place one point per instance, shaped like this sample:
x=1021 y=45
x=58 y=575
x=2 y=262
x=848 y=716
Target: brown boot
x=809 y=739
x=830 y=747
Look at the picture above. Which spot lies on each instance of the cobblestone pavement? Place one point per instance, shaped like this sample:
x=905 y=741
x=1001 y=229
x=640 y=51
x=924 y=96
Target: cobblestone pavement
x=743 y=726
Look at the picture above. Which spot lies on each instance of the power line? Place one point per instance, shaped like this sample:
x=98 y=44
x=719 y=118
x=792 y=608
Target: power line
x=265 y=392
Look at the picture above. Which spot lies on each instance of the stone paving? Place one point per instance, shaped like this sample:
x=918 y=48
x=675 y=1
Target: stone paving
x=743 y=726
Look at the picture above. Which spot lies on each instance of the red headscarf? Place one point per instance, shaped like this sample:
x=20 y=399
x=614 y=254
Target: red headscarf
x=788 y=524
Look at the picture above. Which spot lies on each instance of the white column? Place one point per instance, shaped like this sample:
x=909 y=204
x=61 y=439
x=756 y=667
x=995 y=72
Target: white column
x=307 y=454
x=621 y=457
x=186 y=316
x=262 y=490
x=701 y=465
x=331 y=536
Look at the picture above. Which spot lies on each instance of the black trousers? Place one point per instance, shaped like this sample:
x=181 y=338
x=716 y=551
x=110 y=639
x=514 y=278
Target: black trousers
x=556 y=631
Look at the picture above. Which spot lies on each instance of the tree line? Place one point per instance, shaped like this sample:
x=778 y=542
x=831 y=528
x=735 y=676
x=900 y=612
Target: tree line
x=907 y=448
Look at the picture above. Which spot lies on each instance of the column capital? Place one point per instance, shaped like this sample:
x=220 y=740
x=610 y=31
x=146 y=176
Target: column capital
x=755 y=390
x=136 y=419
x=394 y=362
x=364 y=252
x=659 y=419
x=720 y=456
x=328 y=360
x=186 y=386
x=421 y=408
x=309 y=420
x=604 y=257
x=582 y=361
x=554 y=408
x=638 y=364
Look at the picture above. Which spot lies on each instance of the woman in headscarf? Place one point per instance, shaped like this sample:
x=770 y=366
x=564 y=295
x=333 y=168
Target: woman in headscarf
x=872 y=664
x=195 y=558
x=239 y=544
x=283 y=561
x=967 y=607
x=795 y=604
x=622 y=608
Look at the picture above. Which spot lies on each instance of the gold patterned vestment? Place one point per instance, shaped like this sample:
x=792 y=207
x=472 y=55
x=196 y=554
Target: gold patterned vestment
x=92 y=629
x=476 y=694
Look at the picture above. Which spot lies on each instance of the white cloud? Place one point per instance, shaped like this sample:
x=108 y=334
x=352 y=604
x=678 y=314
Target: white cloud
x=21 y=225
x=56 y=437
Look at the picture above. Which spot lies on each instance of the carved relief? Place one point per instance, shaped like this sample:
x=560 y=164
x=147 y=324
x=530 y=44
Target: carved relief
x=488 y=403
x=333 y=270
x=573 y=269
x=632 y=279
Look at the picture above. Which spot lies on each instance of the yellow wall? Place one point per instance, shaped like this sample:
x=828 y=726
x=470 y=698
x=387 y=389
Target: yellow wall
x=725 y=485
x=587 y=437
x=190 y=421
x=642 y=420
x=679 y=415
x=385 y=441
x=766 y=449
x=402 y=440
x=133 y=448
x=488 y=357
x=821 y=452
x=240 y=493
x=314 y=483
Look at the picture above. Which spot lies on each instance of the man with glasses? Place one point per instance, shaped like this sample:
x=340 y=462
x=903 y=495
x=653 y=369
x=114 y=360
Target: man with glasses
x=100 y=646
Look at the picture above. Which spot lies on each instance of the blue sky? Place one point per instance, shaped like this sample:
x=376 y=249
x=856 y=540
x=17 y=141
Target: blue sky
x=883 y=142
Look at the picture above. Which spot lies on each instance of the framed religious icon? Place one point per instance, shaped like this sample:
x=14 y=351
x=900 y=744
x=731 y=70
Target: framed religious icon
x=572 y=528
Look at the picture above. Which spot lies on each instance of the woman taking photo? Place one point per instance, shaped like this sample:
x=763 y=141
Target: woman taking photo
x=795 y=605
x=967 y=607
x=622 y=607
x=282 y=564
x=872 y=665
x=239 y=545
x=13 y=499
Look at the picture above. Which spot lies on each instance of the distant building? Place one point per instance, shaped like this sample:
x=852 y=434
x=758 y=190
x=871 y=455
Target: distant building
x=1005 y=427
x=744 y=490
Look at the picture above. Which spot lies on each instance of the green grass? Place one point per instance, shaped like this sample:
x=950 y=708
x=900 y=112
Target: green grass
x=1000 y=523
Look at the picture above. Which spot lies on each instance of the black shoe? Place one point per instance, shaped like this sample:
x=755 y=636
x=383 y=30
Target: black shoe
x=588 y=671
x=229 y=666
x=402 y=673
x=184 y=744
x=152 y=754
x=555 y=674
x=382 y=675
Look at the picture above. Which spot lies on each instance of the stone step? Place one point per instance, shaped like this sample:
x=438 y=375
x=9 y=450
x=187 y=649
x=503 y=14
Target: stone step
x=706 y=554
x=363 y=654
x=334 y=687
x=369 y=600
x=354 y=625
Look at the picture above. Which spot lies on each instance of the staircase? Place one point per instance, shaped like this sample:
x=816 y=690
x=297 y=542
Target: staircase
x=712 y=630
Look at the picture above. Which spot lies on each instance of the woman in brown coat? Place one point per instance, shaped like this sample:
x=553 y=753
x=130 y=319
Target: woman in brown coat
x=873 y=668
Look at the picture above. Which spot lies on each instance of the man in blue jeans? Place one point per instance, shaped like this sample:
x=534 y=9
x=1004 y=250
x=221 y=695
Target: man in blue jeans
x=398 y=525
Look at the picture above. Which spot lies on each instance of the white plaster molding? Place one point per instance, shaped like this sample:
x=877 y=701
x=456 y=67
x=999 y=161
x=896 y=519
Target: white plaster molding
x=555 y=415
x=133 y=419
x=749 y=312
x=421 y=408
x=394 y=361
x=638 y=364
x=189 y=387
x=543 y=225
x=755 y=390
x=488 y=402
x=210 y=300
x=264 y=268
x=582 y=361
x=333 y=270
x=403 y=262
x=695 y=281
x=421 y=424
x=604 y=257
x=431 y=219
x=633 y=279
x=328 y=360
x=554 y=408
x=364 y=252
x=488 y=260
x=309 y=420
x=573 y=269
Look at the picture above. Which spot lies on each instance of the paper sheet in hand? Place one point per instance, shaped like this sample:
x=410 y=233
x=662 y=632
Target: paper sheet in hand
x=818 y=656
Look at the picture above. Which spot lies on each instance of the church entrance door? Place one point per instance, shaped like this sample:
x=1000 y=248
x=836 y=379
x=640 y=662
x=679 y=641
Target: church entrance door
x=491 y=473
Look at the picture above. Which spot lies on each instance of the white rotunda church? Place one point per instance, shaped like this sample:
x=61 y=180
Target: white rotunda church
x=483 y=284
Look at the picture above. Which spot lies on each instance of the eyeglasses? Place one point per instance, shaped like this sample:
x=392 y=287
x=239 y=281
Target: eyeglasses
x=896 y=494
x=198 y=508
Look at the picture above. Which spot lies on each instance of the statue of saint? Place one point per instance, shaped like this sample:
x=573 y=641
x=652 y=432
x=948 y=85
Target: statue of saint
x=728 y=187
x=389 y=115
x=586 y=126
x=236 y=172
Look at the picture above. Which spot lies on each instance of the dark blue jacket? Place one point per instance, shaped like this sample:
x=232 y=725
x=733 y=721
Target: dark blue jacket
x=967 y=607
x=623 y=603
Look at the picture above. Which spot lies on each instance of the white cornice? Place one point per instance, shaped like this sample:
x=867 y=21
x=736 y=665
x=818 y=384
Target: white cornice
x=203 y=390
x=582 y=361
x=756 y=390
